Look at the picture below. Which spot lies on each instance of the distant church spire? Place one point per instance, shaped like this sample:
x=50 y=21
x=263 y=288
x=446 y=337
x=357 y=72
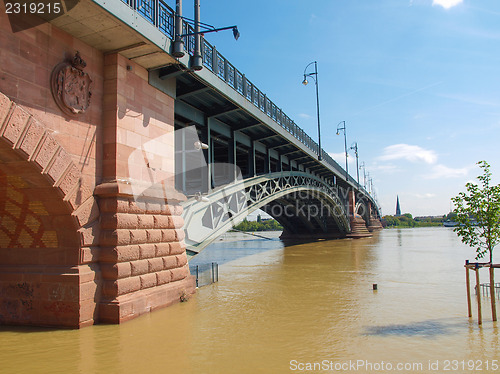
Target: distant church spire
x=398 y=208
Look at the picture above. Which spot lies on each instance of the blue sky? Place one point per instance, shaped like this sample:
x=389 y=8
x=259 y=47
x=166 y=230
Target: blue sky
x=417 y=82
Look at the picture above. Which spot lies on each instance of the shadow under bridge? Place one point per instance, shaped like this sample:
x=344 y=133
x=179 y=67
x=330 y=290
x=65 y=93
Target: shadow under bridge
x=302 y=203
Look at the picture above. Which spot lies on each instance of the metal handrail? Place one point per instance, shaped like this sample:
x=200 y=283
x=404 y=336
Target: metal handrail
x=163 y=18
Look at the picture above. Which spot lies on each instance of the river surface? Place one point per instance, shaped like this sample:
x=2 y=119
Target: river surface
x=296 y=309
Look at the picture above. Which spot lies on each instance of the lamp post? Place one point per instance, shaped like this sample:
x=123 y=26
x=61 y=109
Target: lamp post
x=305 y=82
x=178 y=45
x=354 y=146
x=364 y=173
x=342 y=128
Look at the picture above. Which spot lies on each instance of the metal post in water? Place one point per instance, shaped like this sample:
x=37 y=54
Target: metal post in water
x=197 y=273
x=467 y=280
x=492 y=293
x=478 y=293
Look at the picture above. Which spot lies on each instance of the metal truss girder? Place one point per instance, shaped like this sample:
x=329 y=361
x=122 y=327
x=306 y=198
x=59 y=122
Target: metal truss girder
x=229 y=205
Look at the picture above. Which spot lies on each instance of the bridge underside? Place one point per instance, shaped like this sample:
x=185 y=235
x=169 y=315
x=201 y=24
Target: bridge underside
x=307 y=208
x=303 y=219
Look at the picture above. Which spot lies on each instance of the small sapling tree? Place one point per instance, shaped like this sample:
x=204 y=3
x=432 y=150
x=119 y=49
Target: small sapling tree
x=478 y=214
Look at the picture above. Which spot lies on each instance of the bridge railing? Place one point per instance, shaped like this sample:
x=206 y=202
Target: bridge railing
x=163 y=18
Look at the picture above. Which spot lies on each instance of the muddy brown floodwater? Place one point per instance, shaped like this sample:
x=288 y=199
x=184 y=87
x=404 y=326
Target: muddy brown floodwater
x=296 y=309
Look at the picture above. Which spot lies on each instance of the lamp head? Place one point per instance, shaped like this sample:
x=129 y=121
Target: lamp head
x=200 y=198
x=199 y=145
x=305 y=82
x=338 y=133
x=236 y=33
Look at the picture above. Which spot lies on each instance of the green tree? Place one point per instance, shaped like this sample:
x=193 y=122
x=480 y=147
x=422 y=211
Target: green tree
x=478 y=214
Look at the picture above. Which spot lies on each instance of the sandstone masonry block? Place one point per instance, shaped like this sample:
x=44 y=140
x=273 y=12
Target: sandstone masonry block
x=119 y=287
x=139 y=267
x=46 y=152
x=32 y=138
x=118 y=237
x=161 y=222
x=181 y=260
x=5 y=106
x=120 y=253
x=168 y=236
x=169 y=262
x=16 y=124
x=138 y=237
x=179 y=273
x=162 y=249
x=163 y=277
x=155 y=264
x=147 y=250
x=146 y=222
x=154 y=236
x=148 y=280
x=176 y=248
x=116 y=271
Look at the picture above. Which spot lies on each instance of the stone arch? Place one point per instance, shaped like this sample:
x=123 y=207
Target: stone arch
x=47 y=223
x=363 y=211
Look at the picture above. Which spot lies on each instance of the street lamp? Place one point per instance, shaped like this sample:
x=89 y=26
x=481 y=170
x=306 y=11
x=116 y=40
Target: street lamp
x=364 y=173
x=354 y=146
x=178 y=45
x=342 y=128
x=305 y=82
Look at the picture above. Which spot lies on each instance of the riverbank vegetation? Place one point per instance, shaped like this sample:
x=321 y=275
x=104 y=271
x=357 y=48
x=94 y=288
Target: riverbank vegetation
x=407 y=220
x=259 y=225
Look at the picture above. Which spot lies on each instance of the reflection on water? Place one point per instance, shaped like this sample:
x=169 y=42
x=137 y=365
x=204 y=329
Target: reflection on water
x=308 y=303
x=424 y=328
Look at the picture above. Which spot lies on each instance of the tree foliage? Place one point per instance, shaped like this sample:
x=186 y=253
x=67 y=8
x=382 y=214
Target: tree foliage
x=478 y=214
x=263 y=225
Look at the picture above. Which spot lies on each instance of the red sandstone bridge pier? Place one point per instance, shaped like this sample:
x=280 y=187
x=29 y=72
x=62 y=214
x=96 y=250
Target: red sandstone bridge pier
x=97 y=200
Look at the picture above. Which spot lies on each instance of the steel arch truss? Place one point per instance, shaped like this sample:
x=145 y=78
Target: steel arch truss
x=294 y=192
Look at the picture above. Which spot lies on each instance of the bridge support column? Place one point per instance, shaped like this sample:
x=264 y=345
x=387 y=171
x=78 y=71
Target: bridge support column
x=143 y=257
x=374 y=224
x=358 y=224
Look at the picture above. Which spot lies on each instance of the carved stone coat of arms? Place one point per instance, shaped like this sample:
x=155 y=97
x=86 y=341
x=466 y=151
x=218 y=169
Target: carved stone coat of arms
x=71 y=86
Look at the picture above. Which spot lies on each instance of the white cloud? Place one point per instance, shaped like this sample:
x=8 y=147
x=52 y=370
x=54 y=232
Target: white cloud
x=447 y=4
x=425 y=196
x=304 y=115
x=441 y=171
x=340 y=158
x=386 y=168
x=408 y=152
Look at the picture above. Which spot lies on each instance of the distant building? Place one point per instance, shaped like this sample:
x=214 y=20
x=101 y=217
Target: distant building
x=398 y=208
